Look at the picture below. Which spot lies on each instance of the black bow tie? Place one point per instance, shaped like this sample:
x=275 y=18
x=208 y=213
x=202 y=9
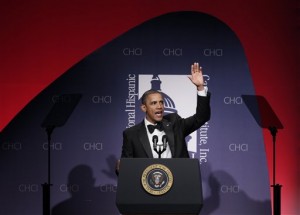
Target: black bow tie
x=158 y=126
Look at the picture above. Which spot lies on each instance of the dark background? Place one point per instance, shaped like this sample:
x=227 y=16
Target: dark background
x=40 y=41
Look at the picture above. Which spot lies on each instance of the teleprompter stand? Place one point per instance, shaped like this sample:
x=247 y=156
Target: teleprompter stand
x=266 y=118
x=57 y=117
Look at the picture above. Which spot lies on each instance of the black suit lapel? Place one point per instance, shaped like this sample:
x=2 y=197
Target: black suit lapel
x=170 y=134
x=143 y=137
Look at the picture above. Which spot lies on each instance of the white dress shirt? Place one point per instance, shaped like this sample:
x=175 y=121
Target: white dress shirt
x=167 y=153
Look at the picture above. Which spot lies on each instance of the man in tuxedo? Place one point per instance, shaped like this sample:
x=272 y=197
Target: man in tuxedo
x=166 y=133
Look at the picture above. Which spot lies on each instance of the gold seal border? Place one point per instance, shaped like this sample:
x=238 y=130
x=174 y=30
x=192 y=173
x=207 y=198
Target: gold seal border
x=145 y=182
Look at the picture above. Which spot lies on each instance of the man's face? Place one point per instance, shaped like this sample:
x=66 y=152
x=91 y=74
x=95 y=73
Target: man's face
x=154 y=107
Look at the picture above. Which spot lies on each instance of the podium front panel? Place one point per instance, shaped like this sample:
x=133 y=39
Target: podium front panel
x=184 y=196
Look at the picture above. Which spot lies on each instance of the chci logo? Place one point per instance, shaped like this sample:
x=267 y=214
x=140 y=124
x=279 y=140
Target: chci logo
x=157 y=179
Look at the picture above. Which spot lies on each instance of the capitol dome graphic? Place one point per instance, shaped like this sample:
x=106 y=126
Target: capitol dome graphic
x=168 y=102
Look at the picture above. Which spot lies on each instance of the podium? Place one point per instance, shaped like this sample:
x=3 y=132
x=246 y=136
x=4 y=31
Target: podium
x=159 y=186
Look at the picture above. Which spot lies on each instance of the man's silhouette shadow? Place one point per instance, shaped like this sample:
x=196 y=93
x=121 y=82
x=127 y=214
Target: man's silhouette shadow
x=88 y=199
x=236 y=202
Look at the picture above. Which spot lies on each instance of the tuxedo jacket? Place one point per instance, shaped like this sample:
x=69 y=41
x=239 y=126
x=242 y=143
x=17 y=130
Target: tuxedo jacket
x=137 y=145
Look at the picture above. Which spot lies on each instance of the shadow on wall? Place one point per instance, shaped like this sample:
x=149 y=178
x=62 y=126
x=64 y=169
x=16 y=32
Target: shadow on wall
x=89 y=199
x=226 y=195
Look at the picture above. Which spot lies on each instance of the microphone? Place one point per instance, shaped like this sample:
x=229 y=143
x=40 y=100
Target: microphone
x=165 y=141
x=159 y=149
x=155 y=140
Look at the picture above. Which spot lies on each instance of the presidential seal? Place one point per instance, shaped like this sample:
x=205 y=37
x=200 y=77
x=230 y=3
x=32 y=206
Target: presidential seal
x=157 y=179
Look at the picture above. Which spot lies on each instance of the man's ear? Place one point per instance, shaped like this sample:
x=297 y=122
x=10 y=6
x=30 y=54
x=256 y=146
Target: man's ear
x=143 y=108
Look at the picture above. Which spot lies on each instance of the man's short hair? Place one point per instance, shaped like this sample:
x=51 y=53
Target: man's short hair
x=147 y=93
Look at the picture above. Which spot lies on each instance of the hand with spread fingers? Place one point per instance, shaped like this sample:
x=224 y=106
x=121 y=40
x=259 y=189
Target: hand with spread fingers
x=196 y=76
